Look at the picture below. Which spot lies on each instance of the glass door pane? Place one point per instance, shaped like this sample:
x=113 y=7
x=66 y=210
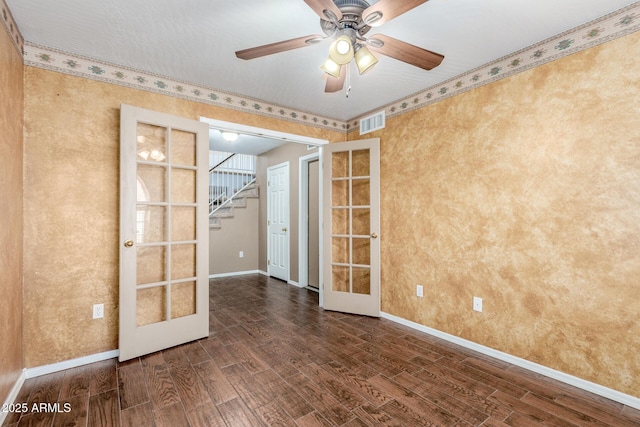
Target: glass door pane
x=350 y=222
x=165 y=215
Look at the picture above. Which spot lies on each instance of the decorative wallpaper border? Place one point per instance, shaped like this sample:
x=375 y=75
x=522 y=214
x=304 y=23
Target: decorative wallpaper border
x=56 y=60
x=12 y=28
x=609 y=27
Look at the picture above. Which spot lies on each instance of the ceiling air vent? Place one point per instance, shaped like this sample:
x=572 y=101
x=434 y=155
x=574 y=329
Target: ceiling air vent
x=372 y=122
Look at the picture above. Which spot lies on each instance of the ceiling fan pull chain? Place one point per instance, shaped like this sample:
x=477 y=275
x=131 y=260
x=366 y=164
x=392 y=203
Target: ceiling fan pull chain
x=348 y=91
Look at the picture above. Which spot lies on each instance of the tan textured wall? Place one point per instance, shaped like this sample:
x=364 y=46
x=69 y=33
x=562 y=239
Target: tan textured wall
x=11 y=222
x=71 y=206
x=525 y=192
x=239 y=233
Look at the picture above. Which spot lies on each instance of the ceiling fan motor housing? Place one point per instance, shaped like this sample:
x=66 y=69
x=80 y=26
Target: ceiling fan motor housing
x=351 y=18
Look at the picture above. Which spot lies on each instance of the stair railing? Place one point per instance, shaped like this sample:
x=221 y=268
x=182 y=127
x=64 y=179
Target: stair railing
x=228 y=178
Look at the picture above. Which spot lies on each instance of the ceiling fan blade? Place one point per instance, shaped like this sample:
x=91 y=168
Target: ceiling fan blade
x=325 y=9
x=270 y=49
x=385 y=10
x=336 y=84
x=405 y=52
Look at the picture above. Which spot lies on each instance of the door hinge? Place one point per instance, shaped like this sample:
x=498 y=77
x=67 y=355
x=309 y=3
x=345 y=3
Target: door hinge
x=268 y=222
x=268 y=262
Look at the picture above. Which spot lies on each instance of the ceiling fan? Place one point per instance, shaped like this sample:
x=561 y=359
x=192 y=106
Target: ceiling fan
x=348 y=22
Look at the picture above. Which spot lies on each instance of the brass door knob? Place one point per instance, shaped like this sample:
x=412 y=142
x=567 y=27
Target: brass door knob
x=128 y=243
x=374 y=236
x=284 y=229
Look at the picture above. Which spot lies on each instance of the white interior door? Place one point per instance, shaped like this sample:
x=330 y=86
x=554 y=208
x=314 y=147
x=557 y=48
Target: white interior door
x=164 y=231
x=351 y=211
x=278 y=221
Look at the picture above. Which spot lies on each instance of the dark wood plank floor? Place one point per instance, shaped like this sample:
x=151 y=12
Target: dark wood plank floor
x=274 y=358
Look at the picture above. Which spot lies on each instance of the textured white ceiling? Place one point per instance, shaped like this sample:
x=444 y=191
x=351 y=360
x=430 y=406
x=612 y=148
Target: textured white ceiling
x=245 y=144
x=194 y=41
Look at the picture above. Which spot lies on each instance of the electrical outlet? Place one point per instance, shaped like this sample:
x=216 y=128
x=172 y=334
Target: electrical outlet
x=477 y=304
x=98 y=311
x=419 y=291
x=241 y=254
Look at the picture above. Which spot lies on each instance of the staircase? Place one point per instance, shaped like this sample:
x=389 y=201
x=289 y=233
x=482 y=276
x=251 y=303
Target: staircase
x=231 y=182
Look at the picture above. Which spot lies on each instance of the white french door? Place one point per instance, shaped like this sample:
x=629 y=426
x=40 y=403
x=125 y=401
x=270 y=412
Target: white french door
x=278 y=221
x=351 y=211
x=164 y=231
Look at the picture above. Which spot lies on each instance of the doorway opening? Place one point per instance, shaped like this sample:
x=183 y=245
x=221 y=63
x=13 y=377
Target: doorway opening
x=297 y=231
x=310 y=242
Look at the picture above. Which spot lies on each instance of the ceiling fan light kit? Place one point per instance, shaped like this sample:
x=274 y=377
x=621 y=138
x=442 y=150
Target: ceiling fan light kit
x=365 y=60
x=341 y=50
x=331 y=68
x=343 y=45
x=348 y=21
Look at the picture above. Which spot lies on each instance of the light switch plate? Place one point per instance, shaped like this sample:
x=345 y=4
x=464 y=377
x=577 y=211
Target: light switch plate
x=477 y=304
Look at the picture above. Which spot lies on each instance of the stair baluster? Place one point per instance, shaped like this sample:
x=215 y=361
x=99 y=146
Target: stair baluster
x=230 y=179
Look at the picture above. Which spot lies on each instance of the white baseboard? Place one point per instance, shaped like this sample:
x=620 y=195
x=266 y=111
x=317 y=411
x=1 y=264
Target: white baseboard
x=296 y=284
x=54 y=367
x=234 y=273
x=13 y=395
x=242 y=273
x=68 y=364
x=594 y=388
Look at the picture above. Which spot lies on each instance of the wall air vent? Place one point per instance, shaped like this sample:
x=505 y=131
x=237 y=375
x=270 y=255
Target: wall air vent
x=372 y=122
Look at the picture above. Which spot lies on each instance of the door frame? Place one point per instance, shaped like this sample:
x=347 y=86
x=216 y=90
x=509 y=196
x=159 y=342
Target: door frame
x=288 y=220
x=262 y=132
x=284 y=136
x=303 y=217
